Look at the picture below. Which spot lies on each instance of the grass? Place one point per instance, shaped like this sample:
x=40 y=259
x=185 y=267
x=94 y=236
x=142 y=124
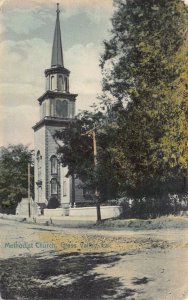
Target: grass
x=158 y=223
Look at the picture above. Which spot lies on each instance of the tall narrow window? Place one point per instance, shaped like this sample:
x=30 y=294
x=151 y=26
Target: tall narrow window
x=47 y=83
x=39 y=165
x=64 y=188
x=60 y=83
x=54 y=186
x=52 y=108
x=53 y=165
x=52 y=83
x=44 y=109
x=66 y=84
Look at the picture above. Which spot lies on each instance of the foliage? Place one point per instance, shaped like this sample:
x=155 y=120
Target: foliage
x=152 y=207
x=77 y=153
x=77 y=149
x=13 y=175
x=142 y=137
x=144 y=72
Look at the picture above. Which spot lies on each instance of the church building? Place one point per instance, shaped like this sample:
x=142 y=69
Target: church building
x=57 y=108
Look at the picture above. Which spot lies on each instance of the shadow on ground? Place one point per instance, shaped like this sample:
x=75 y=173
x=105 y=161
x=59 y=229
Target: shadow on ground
x=65 y=276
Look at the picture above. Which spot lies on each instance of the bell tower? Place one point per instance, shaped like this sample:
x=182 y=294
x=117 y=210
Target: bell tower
x=57 y=108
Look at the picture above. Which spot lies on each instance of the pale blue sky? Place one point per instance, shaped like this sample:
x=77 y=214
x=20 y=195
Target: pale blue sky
x=26 y=35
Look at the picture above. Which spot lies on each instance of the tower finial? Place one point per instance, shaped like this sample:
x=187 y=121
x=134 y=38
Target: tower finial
x=57 y=53
x=58 y=11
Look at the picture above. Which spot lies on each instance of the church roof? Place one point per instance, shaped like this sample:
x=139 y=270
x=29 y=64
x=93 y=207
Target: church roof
x=57 y=53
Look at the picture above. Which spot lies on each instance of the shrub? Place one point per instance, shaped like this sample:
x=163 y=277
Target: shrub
x=152 y=207
x=53 y=203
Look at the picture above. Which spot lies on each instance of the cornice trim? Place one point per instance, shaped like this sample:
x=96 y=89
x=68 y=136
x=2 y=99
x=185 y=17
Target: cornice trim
x=52 y=121
x=57 y=94
x=56 y=70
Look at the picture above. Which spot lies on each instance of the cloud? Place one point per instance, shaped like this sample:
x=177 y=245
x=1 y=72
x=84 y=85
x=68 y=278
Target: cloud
x=30 y=3
x=30 y=15
x=23 y=61
x=94 y=10
x=22 y=81
x=23 y=20
x=85 y=77
x=2 y=27
x=15 y=124
x=22 y=78
x=22 y=69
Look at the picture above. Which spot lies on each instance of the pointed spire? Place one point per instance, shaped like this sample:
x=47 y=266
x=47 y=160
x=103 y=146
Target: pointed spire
x=57 y=53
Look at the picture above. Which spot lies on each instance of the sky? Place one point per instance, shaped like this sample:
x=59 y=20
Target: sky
x=26 y=36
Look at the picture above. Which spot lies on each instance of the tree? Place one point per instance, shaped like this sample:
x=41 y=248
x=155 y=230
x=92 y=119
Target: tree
x=77 y=144
x=78 y=153
x=13 y=175
x=184 y=79
x=142 y=69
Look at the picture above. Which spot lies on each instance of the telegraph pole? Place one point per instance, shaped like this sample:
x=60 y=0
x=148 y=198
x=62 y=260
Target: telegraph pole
x=92 y=133
x=95 y=166
x=29 y=191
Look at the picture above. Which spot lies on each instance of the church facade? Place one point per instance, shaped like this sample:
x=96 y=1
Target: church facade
x=57 y=109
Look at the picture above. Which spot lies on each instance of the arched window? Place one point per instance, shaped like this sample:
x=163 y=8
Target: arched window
x=52 y=83
x=53 y=165
x=62 y=108
x=60 y=83
x=47 y=83
x=39 y=165
x=66 y=84
x=53 y=186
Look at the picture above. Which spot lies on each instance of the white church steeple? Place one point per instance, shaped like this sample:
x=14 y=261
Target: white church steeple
x=57 y=108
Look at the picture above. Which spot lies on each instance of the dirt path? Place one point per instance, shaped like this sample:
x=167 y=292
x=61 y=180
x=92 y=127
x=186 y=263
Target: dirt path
x=92 y=264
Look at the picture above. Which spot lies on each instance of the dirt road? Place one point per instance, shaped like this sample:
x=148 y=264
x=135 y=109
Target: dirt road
x=39 y=262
